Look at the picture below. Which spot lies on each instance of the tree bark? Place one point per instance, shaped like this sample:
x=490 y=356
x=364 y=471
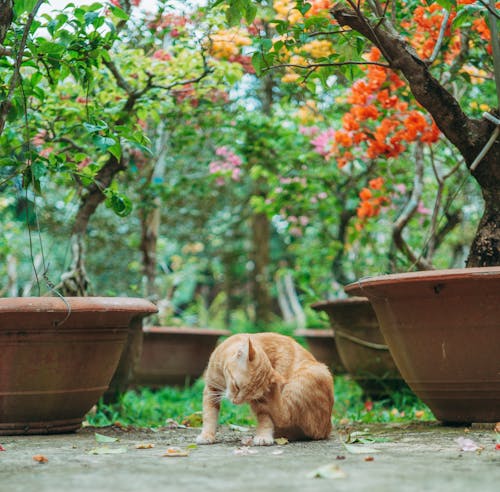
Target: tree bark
x=6 y=16
x=467 y=134
x=261 y=235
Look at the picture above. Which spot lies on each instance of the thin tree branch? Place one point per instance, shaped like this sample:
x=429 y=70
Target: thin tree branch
x=440 y=39
x=328 y=33
x=409 y=211
x=5 y=106
x=319 y=65
x=491 y=8
x=495 y=44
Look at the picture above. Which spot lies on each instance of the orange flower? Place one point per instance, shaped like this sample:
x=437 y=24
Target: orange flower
x=365 y=194
x=376 y=183
x=343 y=138
x=349 y=122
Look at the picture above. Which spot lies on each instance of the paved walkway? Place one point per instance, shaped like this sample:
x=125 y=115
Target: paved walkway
x=418 y=457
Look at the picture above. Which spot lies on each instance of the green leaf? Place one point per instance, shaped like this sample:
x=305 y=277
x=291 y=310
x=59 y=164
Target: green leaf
x=21 y=6
x=250 y=13
x=120 y=204
x=101 y=438
x=38 y=169
x=257 y=62
x=118 y=12
x=447 y=4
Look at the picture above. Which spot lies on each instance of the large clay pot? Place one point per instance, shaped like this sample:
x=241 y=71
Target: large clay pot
x=57 y=358
x=321 y=343
x=443 y=330
x=175 y=356
x=361 y=345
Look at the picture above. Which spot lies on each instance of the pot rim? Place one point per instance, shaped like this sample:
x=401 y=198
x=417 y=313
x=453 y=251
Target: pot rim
x=449 y=275
x=77 y=304
x=347 y=301
x=184 y=330
x=315 y=332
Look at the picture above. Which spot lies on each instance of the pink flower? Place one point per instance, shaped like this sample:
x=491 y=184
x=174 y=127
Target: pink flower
x=324 y=142
x=421 y=209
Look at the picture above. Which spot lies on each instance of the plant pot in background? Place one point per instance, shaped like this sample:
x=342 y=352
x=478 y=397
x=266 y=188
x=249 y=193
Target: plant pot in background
x=443 y=330
x=58 y=357
x=361 y=346
x=321 y=343
x=175 y=356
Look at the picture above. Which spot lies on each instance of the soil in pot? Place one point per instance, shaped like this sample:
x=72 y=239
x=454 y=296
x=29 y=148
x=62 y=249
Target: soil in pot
x=361 y=345
x=58 y=357
x=175 y=356
x=443 y=330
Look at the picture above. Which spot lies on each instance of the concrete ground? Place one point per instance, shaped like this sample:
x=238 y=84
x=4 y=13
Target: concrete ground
x=417 y=457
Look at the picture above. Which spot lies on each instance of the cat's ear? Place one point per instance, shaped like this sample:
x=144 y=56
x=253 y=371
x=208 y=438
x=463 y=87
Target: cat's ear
x=246 y=353
x=251 y=350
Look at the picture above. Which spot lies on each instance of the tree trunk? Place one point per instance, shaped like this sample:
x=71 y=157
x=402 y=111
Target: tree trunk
x=467 y=134
x=75 y=282
x=150 y=226
x=6 y=16
x=261 y=234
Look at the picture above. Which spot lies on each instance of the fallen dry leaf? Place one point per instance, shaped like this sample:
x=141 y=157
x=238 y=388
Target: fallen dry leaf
x=193 y=420
x=107 y=450
x=143 y=445
x=244 y=451
x=101 y=438
x=327 y=471
x=468 y=444
x=281 y=441
x=40 y=458
x=238 y=428
x=173 y=424
x=369 y=458
x=175 y=453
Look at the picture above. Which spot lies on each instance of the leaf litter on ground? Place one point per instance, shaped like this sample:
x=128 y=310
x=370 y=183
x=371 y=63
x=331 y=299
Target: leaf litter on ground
x=331 y=471
x=101 y=438
x=175 y=452
x=466 y=444
x=355 y=442
x=108 y=450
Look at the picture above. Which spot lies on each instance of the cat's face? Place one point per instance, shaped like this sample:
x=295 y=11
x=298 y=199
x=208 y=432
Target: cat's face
x=246 y=374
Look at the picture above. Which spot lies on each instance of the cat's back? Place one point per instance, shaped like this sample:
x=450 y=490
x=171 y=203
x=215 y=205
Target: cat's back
x=283 y=351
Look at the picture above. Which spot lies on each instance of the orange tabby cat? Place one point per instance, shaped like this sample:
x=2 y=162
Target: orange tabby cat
x=289 y=391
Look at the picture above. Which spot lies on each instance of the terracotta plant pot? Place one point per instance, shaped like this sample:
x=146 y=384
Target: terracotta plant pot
x=57 y=358
x=321 y=343
x=361 y=345
x=175 y=356
x=443 y=330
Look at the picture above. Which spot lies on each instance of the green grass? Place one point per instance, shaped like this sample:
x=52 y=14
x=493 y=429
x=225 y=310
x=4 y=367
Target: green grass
x=151 y=408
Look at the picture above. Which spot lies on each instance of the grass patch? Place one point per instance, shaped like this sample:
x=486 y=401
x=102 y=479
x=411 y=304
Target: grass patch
x=151 y=408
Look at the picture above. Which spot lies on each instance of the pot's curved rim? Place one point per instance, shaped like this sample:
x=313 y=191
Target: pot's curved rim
x=77 y=304
x=347 y=301
x=184 y=330
x=315 y=332
x=356 y=288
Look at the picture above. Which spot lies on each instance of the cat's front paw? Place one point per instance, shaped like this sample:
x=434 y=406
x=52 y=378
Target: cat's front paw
x=263 y=440
x=205 y=438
